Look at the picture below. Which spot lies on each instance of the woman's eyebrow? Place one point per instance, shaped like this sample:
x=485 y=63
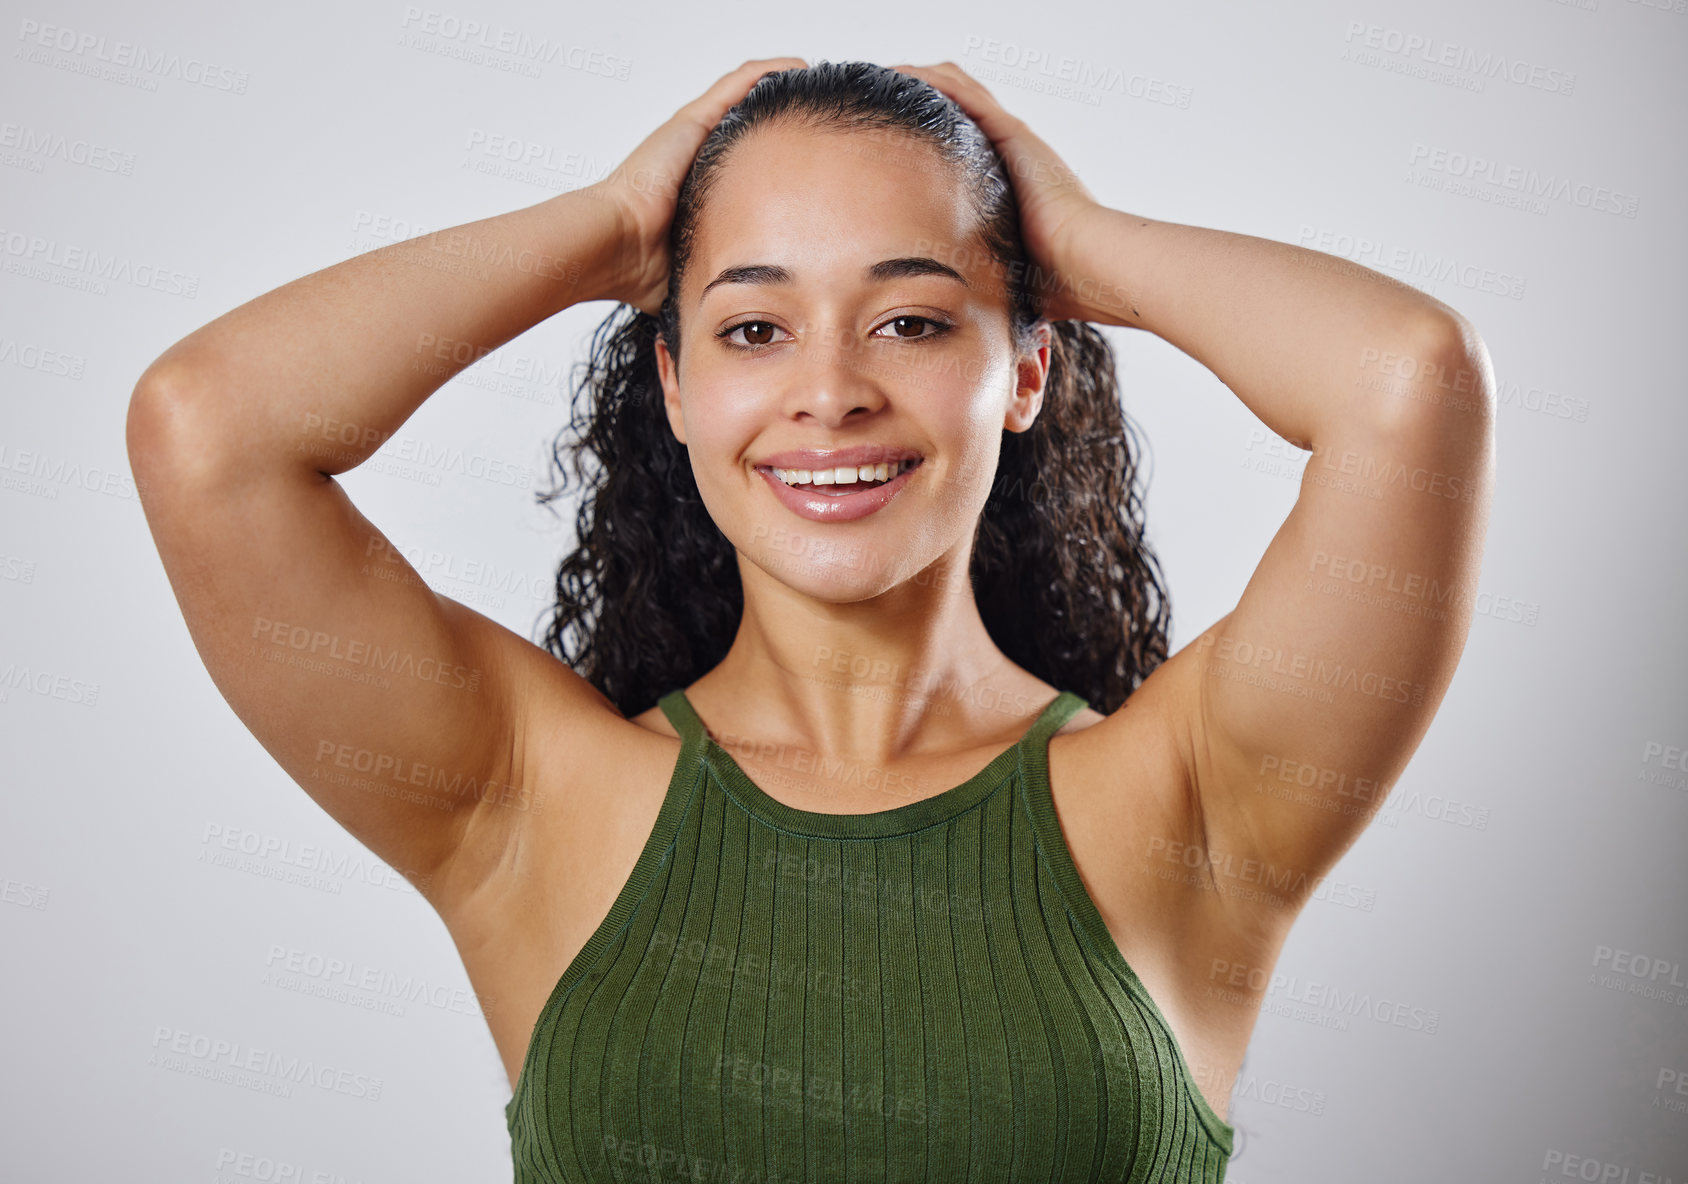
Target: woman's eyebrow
x=885 y=269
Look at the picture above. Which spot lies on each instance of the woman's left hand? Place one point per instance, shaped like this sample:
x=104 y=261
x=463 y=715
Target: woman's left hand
x=1052 y=200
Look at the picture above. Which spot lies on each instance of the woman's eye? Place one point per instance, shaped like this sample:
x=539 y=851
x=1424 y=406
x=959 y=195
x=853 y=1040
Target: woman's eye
x=760 y=333
x=756 y=333
x=897 y=323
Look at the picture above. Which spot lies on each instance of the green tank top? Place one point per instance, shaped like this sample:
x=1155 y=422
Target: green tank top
x=926 y=993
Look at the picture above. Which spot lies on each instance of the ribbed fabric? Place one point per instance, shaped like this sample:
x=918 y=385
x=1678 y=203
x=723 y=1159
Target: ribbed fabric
x=921 y=994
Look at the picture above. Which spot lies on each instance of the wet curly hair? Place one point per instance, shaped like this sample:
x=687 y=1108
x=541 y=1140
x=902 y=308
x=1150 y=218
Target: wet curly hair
x=650 y=599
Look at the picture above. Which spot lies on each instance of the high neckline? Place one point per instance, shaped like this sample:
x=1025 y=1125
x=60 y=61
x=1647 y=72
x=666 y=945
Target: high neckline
x=899 y=820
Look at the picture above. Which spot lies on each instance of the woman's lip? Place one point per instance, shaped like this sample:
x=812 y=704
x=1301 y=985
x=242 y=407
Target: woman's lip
x=825 y=507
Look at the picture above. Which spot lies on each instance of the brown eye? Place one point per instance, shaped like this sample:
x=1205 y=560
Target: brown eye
x=898 y=324
x=757 y=334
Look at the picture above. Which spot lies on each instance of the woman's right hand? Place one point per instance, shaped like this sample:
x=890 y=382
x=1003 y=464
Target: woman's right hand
x=645 y=186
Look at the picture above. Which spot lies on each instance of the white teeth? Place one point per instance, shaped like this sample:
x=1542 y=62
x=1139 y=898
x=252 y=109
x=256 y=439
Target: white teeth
x=845 y=474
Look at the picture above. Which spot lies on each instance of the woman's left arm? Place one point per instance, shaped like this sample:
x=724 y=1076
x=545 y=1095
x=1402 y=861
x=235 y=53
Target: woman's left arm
x=1305 y=702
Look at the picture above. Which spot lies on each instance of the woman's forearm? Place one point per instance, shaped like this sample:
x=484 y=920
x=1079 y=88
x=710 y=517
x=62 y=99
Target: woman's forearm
x=317 y=373
x=1294 y=333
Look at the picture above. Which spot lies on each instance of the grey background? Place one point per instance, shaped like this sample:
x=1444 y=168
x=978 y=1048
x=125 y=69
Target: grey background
x=322 y=127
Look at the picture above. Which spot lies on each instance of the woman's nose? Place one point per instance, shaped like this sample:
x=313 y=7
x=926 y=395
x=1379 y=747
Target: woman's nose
x=835 y=376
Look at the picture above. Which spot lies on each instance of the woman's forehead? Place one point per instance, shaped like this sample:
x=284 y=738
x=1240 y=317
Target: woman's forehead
x=792 y=200
x=808 y=180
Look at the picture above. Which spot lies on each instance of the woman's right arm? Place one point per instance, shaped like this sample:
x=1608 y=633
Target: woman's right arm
x=399 y=711
x=402 y=713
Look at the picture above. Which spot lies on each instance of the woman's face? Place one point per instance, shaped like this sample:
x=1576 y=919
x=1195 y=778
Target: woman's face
x=799 y=332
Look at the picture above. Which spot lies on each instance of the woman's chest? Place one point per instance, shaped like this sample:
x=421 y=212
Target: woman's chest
x=899 y=1009
x=907 y=982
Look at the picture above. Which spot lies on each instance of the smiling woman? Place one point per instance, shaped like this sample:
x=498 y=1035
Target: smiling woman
x=856 y=488
x=870 y=440
x=813 y=322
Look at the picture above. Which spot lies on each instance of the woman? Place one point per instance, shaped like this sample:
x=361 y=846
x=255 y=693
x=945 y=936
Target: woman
x=927 y=862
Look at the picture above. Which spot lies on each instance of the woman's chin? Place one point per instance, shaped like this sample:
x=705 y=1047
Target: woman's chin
x=837 y=573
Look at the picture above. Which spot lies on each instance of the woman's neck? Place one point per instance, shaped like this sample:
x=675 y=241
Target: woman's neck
x=881 y=679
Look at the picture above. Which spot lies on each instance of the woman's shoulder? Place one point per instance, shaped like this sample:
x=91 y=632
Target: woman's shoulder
x=654 y=719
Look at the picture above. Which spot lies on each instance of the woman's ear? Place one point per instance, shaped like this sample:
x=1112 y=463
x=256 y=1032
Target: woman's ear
x=668 y=373
x=1031 y=371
